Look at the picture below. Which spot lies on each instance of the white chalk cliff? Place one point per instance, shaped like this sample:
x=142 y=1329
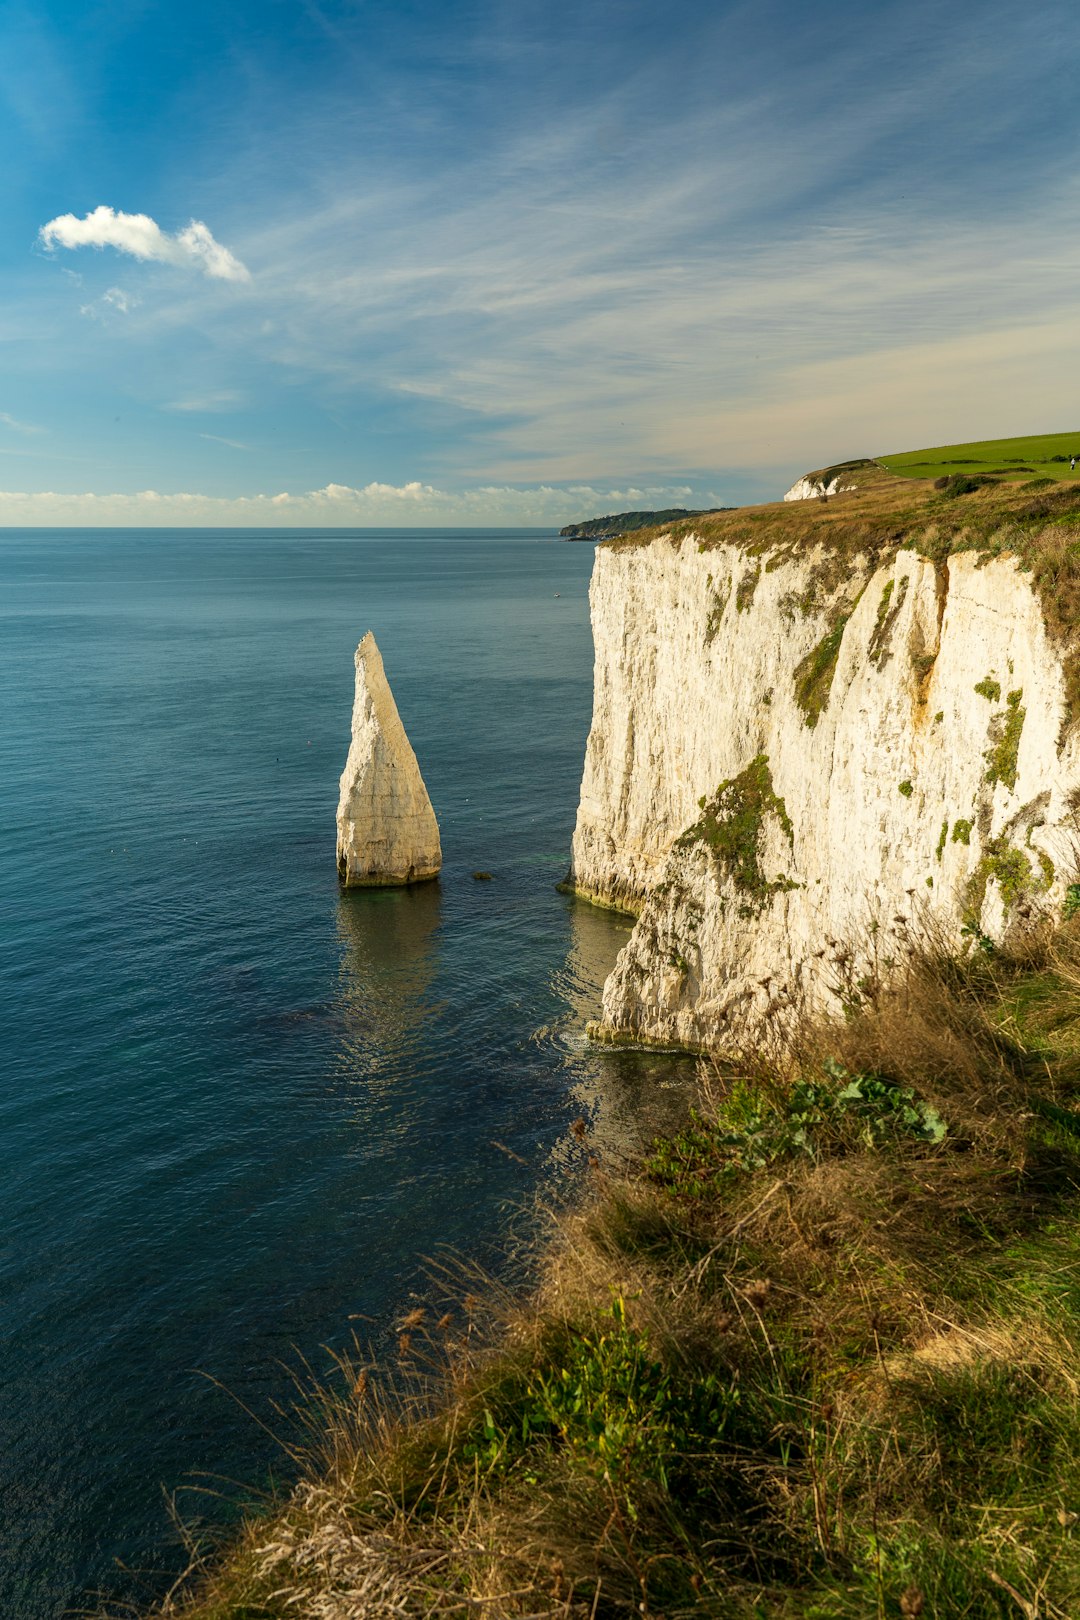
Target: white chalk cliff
x=829 y=481
x=386 y=829
x=794 y=767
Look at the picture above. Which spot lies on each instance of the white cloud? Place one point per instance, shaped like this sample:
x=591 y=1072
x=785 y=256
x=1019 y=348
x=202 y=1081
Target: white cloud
x=390 y=505
x=114 y=298
x=142 y=237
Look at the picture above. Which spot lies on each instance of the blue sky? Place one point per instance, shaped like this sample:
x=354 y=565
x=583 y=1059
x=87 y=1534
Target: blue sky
x=520 y=262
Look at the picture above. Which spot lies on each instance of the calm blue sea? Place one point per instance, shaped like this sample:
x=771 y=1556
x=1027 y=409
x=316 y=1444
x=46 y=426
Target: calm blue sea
x=238 y=1107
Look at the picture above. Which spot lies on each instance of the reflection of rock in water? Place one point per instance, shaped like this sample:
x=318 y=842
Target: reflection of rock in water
x=387 y=968
x=625 y=1096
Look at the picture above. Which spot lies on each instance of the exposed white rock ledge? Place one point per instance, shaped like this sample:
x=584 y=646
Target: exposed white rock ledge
x=386 y=829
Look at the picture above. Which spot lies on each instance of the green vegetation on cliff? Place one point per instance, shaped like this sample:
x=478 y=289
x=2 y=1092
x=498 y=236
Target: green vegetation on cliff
x=814 y=676
x=731 y=826
x=816 y=1356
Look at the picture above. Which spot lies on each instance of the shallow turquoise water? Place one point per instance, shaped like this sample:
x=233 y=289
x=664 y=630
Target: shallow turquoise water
x=238 y=1107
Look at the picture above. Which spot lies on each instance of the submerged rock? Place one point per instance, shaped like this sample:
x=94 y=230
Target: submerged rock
x=386 y=829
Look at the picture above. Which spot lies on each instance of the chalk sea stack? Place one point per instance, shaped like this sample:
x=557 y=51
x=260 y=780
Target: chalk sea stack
x=386 y=829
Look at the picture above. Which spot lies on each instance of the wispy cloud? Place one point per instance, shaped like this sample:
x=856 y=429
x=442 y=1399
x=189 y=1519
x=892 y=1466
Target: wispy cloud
x=193 y=248
x=625 y=293
x=233 y=444
x=113 y=298
x=214 y=400
x=8 y=421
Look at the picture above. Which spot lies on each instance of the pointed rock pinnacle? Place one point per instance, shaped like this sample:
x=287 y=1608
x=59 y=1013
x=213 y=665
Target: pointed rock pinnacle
x=386 y=829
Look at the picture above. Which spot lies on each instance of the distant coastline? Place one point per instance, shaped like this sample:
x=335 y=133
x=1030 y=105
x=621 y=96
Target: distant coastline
x=606 y=528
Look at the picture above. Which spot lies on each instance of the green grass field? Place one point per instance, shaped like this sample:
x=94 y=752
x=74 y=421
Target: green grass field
x=1022 y=458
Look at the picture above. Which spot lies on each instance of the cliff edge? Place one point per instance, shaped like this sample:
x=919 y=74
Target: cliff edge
x=386 y=829
x=820 y=733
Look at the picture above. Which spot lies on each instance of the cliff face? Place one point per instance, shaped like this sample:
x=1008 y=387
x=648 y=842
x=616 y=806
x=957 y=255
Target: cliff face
x=386 y=829
x=798 y=761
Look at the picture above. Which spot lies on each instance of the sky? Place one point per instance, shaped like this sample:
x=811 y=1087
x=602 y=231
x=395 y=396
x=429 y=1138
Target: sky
x=520 y=261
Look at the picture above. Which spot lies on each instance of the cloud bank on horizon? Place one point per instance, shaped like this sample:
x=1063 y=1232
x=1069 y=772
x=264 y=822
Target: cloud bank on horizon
x=413 y=504
x=496 y=248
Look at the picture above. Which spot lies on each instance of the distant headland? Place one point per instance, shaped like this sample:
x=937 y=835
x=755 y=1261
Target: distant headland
x=607 y=528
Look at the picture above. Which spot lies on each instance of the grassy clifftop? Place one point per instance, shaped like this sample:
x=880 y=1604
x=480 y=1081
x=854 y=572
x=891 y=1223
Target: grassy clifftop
x=816 y=1356
x=1043 y=454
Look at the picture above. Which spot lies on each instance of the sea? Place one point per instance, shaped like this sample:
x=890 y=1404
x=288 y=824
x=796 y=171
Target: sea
x=245 y=1116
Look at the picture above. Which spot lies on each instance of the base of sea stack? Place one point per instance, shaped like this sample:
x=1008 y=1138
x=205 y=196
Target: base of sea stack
x=622 y=901
x=387 y=880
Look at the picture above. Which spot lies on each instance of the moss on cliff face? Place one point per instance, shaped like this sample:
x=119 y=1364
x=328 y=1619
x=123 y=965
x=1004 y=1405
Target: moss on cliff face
x=744 y=593
x=1002 y=755
x=720 y=593
x=1014 y=874
x=731 y=827
x=814 y=676
x=887 y=614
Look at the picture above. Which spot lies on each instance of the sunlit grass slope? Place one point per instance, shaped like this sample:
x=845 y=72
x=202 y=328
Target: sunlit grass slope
x=1021 y=458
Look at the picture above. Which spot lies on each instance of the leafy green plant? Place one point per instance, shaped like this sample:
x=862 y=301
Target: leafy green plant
x=973 y=934
x=815 y=1117
x=615 y=1410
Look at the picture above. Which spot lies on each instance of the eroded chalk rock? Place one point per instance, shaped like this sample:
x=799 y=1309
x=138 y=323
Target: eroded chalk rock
x=386 y=829
x=802 y=759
